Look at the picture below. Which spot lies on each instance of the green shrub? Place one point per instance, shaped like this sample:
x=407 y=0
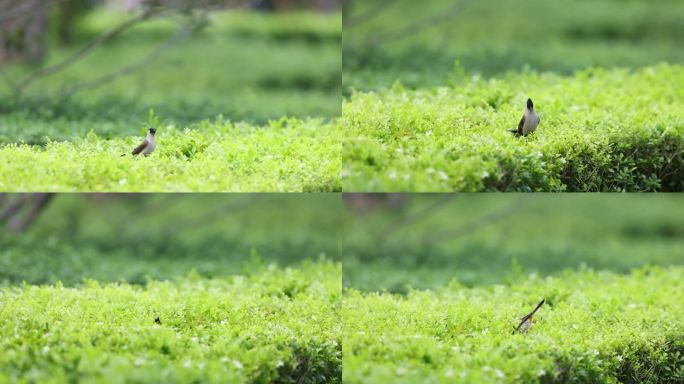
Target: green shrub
x=594 y=327
x=277 y=325
x=600 y=130
x=285 y=155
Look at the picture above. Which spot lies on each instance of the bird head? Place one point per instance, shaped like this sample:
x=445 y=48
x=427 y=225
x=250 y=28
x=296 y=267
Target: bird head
x=530 y=105
x=153 y=130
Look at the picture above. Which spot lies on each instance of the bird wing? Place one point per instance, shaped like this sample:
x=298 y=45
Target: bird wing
x=520 y=125
x=524 y=318
x=140 y=147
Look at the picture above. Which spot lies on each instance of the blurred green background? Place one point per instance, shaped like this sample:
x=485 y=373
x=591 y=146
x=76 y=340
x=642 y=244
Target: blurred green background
x=245 y=61
x=424 y=43
x=46 y=238
x=393 y=241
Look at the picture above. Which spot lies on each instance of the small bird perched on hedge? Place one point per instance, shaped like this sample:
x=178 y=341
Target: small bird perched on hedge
x=529 y=121
x=148 y=145
x=526 y=321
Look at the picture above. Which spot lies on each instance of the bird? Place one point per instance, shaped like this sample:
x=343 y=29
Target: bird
x=148 y=145
x=526 y=321
x=529 y=121
x=157 y=320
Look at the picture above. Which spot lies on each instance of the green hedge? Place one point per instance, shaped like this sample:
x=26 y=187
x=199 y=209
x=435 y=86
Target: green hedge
x=600 y=130
x=286 y=155
x=595 y=327
x=278 y=325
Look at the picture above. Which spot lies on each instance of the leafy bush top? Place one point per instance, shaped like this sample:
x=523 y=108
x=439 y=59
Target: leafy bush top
x=278 y=325
x=285 y=155
x=594 y=327
x=600 y=130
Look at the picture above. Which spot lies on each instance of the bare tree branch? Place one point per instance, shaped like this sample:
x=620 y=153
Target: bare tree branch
x=415 y=217
x=418 y=26
x=370 y=13
x=46 y=71
x=181 y=34
x=452 y=233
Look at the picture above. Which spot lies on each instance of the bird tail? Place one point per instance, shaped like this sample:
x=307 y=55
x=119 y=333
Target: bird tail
x=538 y=305
x=515 y=132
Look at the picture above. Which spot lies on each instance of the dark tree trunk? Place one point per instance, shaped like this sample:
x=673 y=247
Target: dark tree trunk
x=20 y=211
x=23 y=25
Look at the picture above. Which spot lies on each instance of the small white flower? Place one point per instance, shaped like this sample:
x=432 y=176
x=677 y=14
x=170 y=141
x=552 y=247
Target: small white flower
x=541 y=372
x=393 y=175
x=123 y=181
x=237 y=364
x=187 y=364
x=443 y=175
x=449 y=373
x=499 y=374
x=485 y=174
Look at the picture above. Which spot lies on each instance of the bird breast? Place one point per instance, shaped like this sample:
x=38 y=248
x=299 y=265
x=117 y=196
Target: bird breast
x=531 y=121
x=150 y=146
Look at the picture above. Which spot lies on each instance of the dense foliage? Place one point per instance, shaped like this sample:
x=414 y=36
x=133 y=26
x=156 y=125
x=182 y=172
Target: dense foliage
x=276 y=325
x=594 y=327
x=285 y=155
x=600 y=130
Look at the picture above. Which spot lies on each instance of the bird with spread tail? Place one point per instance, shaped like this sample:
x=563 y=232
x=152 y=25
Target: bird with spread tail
x=148 y=145
x=526 y=321
x=529 y=121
